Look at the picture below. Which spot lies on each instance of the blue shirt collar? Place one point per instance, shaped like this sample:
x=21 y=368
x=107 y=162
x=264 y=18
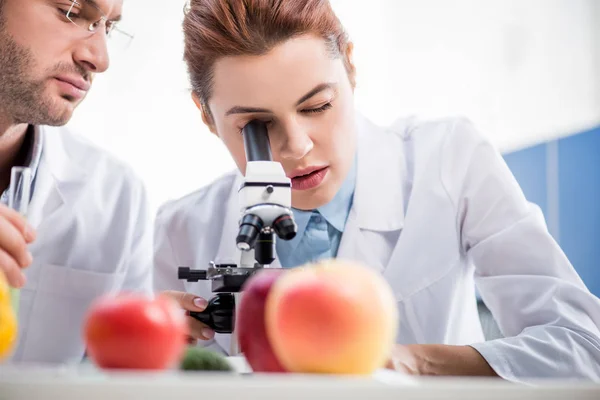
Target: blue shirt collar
x=337 y=210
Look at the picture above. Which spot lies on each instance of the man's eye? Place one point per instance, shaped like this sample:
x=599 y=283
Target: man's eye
x=65 y=11
x=110 y=25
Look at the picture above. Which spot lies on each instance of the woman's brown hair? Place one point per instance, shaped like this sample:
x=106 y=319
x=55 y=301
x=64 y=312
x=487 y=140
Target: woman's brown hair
x=219 y=28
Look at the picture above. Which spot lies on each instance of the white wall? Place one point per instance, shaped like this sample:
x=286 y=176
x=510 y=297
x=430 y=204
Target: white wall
x=524 y=71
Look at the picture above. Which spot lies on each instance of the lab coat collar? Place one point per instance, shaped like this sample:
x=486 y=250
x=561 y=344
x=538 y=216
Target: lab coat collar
x=381 y=178
x=58 y=160
x=58 y=177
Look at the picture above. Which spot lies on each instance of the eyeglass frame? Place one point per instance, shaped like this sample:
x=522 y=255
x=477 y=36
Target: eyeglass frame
x=103 y=17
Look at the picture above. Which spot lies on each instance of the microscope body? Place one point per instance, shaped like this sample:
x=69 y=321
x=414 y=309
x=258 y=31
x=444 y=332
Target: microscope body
x=265 y=215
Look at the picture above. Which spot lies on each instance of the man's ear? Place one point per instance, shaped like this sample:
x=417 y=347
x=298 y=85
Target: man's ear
x=206 y=117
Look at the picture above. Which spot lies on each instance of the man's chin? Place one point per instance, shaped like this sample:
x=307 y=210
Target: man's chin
x=62 y=119
x=61 y=112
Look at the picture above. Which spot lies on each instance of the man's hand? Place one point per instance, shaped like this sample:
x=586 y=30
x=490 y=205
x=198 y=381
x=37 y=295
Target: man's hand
x=190 y=302
x=15 y=235
x=434 y=359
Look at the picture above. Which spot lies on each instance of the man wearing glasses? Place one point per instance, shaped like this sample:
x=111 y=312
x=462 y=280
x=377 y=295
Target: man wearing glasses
x=87 y=230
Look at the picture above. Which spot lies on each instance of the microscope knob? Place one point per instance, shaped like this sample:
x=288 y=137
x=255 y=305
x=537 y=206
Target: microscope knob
x=219 y=314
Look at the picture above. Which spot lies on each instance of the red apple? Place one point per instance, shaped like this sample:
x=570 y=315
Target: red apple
x=250 y=322
x=333 y=316
x=130 y=331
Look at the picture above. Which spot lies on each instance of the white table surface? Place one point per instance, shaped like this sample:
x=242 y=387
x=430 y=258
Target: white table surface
x=86 y=382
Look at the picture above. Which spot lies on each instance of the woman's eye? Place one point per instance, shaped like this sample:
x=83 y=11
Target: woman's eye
x=267 y=122
x=321 y=109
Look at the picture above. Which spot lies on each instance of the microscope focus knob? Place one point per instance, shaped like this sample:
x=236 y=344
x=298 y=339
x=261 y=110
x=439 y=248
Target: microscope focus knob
x=219 y=314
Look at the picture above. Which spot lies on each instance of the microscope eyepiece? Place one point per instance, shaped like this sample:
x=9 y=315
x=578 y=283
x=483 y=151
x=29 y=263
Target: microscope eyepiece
x=250 y=227
x=256 y=141
x=285 y=227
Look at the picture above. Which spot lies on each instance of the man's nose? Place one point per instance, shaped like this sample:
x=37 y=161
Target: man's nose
x=92 y=53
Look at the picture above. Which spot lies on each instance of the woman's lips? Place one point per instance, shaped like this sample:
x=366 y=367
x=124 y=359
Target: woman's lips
x=310 y=180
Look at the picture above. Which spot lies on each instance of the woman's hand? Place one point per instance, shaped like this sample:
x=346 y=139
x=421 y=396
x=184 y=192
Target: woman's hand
x=437 y=359
x=190 y=302
x=403 y=360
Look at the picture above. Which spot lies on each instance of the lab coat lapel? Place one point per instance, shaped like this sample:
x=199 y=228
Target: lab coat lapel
x=376 y=218
x=57 y=179
x=46 y=198
x=355 y=246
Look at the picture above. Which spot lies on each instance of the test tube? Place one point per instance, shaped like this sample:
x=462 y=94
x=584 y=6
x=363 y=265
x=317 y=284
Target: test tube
x=20 y=190
x=18 y=199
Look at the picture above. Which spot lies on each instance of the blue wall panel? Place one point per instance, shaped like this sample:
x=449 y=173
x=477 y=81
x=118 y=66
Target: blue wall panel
x=529 y=167
x=578 y=180
x=579 y=204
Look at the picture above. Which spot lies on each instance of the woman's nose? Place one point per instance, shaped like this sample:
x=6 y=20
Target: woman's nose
x=296 y=143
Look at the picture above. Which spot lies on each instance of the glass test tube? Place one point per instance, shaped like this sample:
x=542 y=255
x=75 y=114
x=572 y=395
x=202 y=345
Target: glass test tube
x=19 y=195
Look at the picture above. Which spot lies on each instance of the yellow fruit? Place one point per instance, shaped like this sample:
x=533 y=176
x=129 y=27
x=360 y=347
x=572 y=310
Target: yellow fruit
x=8 y=320
x=8 y=330
x=4 y=290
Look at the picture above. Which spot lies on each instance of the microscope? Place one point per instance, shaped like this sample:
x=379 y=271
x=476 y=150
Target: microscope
x=265 y=204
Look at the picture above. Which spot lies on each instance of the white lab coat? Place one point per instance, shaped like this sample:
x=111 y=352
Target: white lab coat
x=94 y=237
x=436 y=210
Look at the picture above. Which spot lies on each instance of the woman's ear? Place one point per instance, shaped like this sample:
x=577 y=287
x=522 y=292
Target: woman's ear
x=206 y=117
x=351 y=68
x=350 y=53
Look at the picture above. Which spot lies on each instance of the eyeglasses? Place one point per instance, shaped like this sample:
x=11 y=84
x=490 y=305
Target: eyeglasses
x=88 y=16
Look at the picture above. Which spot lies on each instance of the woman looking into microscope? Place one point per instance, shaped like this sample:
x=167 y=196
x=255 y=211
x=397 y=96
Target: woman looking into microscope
x=429 y=204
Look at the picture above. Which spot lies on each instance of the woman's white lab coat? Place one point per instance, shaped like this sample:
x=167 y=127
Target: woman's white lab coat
x=94 y=237
x=436 y=211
